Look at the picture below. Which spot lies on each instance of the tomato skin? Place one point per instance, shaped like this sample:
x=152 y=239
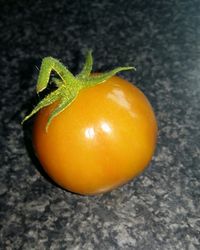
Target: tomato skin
x=105 y=138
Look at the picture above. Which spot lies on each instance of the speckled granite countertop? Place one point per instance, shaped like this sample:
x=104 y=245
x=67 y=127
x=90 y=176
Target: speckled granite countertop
x=161 y=208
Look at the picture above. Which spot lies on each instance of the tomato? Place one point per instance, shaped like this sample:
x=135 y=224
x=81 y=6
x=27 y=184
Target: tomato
x=105 y=138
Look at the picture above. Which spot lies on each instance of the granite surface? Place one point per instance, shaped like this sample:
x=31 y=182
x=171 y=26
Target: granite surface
x=160 y=209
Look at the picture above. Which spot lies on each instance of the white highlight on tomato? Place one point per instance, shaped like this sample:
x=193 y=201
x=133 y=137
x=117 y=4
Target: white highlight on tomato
x=106 y=128
x=89 y=133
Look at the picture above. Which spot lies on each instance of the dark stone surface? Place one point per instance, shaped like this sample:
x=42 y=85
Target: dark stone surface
x=161 y=208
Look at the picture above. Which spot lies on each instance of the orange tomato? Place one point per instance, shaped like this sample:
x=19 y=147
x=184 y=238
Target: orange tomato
x=105 y=138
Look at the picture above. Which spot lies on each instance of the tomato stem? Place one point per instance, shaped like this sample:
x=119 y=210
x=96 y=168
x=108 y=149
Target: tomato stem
x=68 y=85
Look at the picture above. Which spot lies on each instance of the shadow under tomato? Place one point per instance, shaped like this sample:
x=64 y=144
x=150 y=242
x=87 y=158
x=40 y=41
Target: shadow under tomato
x=27 y=128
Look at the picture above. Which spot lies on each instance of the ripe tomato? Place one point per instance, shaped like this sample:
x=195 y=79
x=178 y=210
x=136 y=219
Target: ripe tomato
x=102 y=140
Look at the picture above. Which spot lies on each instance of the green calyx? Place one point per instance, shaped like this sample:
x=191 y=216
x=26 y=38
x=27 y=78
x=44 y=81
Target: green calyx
x=68 y=85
